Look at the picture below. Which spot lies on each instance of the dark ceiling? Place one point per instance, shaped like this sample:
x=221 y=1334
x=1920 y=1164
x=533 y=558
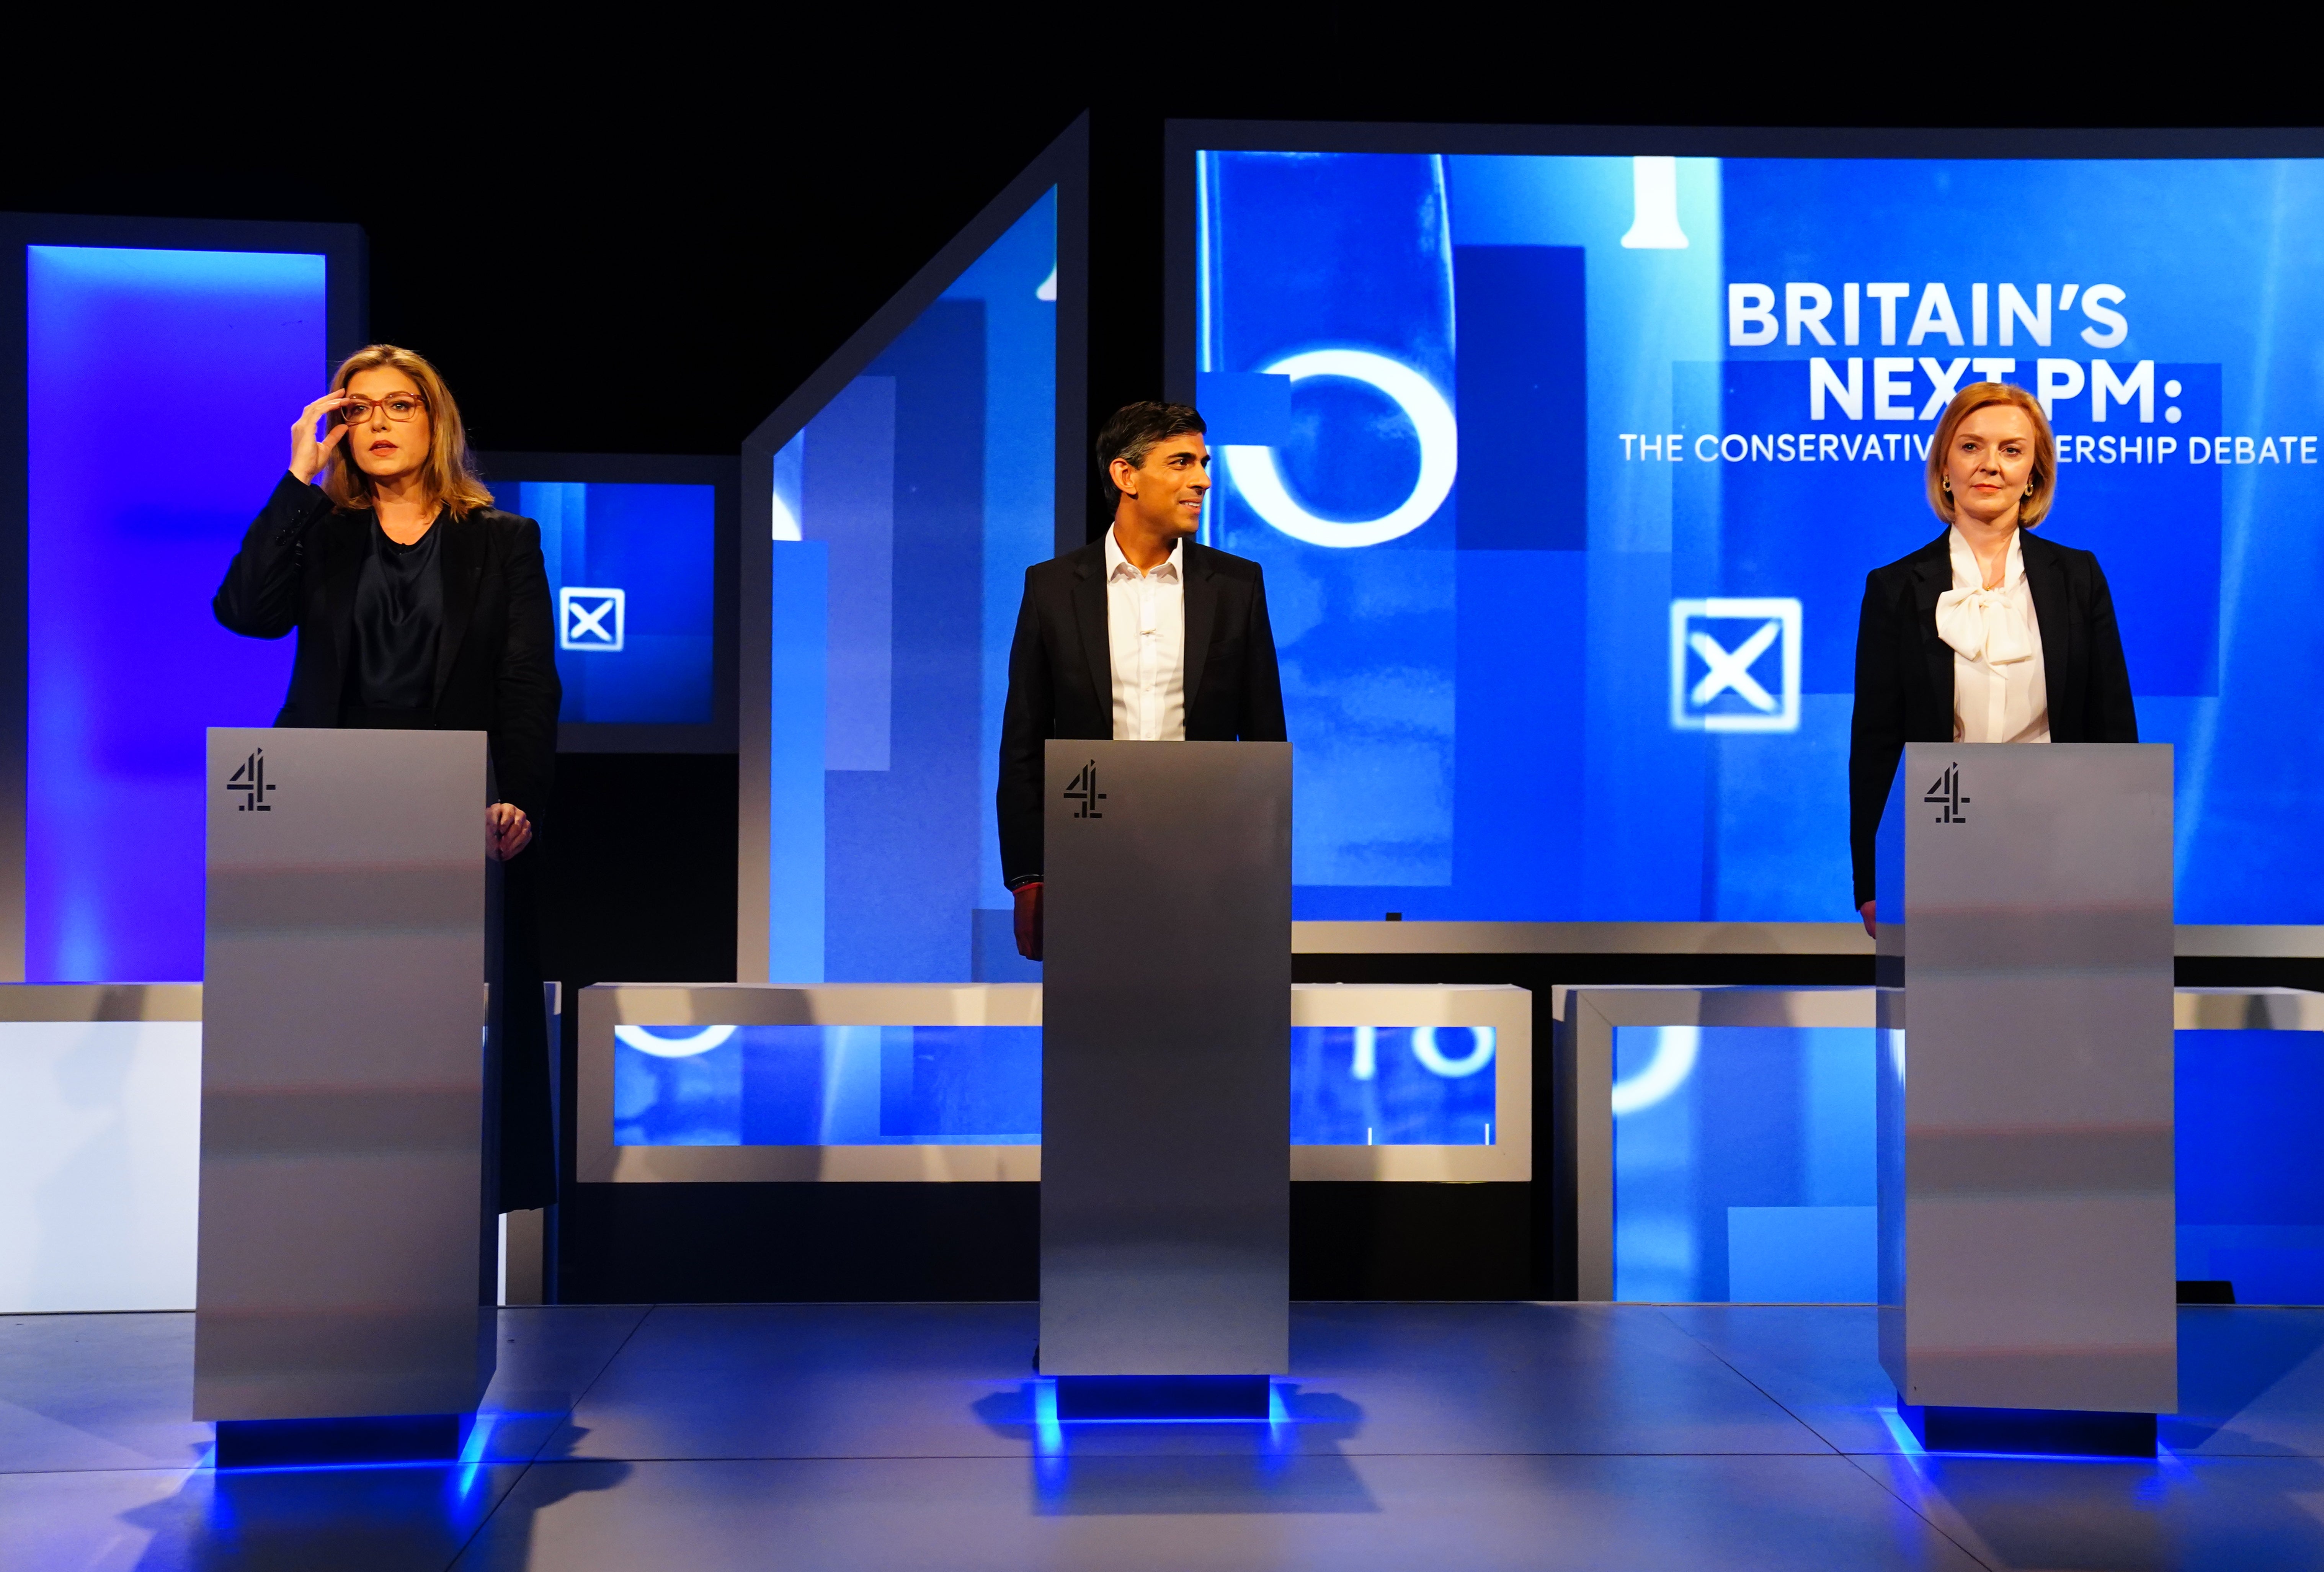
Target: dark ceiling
x=645 y=249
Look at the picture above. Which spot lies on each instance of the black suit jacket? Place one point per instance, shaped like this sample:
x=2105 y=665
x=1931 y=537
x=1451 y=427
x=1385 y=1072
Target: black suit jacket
x=1061 y=674
x=496 y=658
x=1905 y=671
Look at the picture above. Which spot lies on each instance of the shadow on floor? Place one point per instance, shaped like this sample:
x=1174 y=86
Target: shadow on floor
x=351 y=1519
x=2227 y=1359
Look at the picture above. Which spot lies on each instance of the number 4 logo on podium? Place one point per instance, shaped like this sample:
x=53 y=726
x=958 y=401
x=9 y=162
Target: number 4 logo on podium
x=1946 y=795
x=1084 y=791
x=250 y=780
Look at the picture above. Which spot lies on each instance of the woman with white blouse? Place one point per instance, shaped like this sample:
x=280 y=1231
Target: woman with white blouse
x=1988 y=633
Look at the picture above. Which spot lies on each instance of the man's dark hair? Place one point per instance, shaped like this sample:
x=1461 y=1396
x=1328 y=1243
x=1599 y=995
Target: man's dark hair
x=1131 y=432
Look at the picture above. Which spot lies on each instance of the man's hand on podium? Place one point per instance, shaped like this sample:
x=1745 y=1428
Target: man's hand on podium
x=511 y=832
x=1028 y=921
x=1867 y=909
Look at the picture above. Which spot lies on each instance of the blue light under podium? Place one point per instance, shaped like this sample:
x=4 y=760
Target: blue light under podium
x=2029 y=1432
x=322 y=1443
x=1162 y=1396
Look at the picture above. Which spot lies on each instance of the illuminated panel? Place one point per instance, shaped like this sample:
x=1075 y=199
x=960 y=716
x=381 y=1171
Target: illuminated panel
x=1743 y=1164
x=908 y=1082
x=826 y=1086
x=2251 y=1193
x=1392 y=1085
x=631 y=572
x=161 y=387
x=100 y=1163
x=969 y=1086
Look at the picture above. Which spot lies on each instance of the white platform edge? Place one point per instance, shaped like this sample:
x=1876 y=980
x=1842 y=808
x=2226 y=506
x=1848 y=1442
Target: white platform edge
x=2254 y=941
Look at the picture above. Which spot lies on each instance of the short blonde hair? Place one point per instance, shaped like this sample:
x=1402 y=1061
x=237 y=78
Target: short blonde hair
x=1984 y=395
x=450 y=473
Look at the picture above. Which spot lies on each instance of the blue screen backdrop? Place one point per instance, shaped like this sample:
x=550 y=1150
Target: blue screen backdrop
x=127 y=666
x=1518 y=439
x=631 y=571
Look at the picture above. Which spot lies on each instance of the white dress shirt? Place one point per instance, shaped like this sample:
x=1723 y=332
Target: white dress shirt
x=1146 y=630
x=2001 y=691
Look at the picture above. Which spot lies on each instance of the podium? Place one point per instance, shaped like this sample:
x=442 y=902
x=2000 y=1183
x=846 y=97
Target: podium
x=1165 y=1078
x=2027 y=1268
x=345 y=1303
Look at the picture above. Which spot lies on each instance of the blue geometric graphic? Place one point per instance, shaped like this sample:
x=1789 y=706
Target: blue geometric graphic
x=981 y=1085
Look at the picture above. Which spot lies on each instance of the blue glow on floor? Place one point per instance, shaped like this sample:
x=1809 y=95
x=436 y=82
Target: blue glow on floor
x=472 y=1452
x=1901 y=1433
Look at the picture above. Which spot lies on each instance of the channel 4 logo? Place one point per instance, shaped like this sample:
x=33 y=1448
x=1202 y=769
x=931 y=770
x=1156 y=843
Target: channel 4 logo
x=589 y=619
x=1735 y=665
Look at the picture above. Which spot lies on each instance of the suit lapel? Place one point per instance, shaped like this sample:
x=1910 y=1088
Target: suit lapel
x=1089 y=620
x=1933 y=574
x=1199 y=592
x=462 y=554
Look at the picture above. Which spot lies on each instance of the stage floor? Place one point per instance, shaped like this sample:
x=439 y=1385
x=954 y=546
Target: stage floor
x=1450 y=1437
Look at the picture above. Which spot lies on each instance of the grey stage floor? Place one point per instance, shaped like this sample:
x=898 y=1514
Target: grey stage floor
x=1413 y=1435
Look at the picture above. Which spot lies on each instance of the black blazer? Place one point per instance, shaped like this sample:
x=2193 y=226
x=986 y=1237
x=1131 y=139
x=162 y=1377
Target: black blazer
x=1061 y=674
x=495 y=658
x=1905 y=671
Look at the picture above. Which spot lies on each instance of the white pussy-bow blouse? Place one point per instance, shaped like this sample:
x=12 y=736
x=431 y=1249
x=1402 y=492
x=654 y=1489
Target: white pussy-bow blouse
x=2001 y=690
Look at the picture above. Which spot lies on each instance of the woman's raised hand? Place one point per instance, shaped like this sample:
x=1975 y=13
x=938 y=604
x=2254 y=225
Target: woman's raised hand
x=308 y=455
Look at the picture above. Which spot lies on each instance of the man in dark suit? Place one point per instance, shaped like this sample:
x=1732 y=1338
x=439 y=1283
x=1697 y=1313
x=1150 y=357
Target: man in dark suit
x=1140 y=635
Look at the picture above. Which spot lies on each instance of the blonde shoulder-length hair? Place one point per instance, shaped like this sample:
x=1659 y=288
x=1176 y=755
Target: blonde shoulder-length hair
x=1984 y=395
x=450 y=473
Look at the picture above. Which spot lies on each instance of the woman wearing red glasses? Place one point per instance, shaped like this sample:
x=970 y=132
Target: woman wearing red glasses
x=419 y=606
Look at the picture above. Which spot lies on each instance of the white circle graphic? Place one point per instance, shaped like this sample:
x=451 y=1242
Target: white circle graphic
x=644 y=1041
x=1258 y=480
x=1433 y=1060
x=1676 y=1049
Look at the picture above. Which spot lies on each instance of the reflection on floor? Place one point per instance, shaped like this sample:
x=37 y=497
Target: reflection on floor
x=1458 y=1438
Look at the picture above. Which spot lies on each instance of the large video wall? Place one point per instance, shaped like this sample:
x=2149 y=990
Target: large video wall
x=1566 y=473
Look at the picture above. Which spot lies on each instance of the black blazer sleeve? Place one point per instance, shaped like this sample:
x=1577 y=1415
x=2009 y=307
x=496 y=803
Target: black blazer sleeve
x=1876 y=737
x=259 y=597
x=1025 y=725
x=2114 y=715
x=1262 y=682
x=528 y=694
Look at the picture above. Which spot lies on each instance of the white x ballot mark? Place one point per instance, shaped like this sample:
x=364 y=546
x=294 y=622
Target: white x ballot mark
x=1762 y=701
x=586 y=621
x=1732 y=668
x=590 y=619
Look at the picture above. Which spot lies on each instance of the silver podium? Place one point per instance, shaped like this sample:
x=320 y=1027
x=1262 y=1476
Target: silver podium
x=2025 y=1099
x=1166 y=1114
x=345 y=1270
